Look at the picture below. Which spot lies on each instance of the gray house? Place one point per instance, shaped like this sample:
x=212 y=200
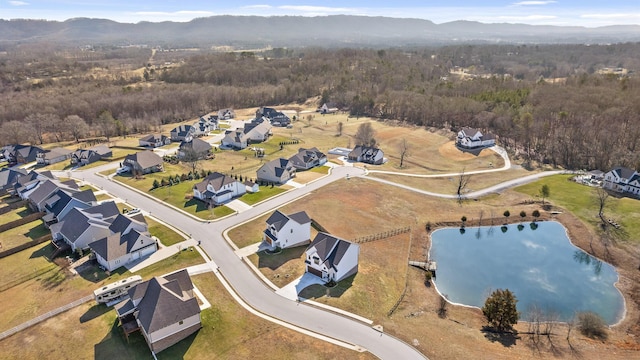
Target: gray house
x=61 y=202
x=53 y=156
x=276 y=171
x=182 y=133
x=143 y=162
x=82 y=157
x=308 y=158
x=80 y=227
x=197 y=146
x=164 y=309
x=154 y=140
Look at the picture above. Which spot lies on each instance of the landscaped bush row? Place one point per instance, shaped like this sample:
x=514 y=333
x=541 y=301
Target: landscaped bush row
x=197 y=175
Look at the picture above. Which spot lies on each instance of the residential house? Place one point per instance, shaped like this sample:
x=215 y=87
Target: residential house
x=308 y=158
x=328 y=108
x=40 y=192
x=197 y=146
x=62 y=201
x=276 y=171
x=251 y=187
x=277 y=118
x=21 y=154
x=235 y=139
x=469 y=138
x=164 y=309
x=217 y=188
x=255 y=131
x=226 y=114
x=203 y=127
x=154 y=140
x=53 y=156
x=331 y=258
x=143 y=162
x=622 y=180
x=82 y=157
x=366 y=154
x=285 y=231
x=182 y=133
x=8 y=177
x=80 y=227
x=129 y=241
x=26 y=184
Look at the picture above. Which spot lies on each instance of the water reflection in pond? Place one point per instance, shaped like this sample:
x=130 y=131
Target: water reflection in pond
x=535 y=261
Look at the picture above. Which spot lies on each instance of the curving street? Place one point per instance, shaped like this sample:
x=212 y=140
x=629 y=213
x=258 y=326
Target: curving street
x=252 y=290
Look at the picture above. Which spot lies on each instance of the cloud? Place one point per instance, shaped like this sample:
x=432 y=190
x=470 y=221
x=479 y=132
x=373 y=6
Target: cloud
x=257 y=7
x=533 y=3
x=18 y=3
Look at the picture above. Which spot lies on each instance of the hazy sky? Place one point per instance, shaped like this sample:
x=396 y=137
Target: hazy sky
x=561 y=12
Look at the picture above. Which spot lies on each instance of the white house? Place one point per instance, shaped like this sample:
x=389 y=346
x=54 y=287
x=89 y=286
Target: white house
x=276 y=171
x=255 y=131
x=331 y=258
x=164 y=309
x=218 y=188
x=129 y=240
x=469 y=138
x=366 y=154
x=285 y=231
x=622 y=180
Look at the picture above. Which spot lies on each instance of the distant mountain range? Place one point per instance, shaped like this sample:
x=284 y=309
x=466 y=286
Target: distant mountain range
x=282 y=31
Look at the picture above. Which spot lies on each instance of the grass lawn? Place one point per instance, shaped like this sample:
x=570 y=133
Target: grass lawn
x=581 y=201
x=14 y=215
x=265 y=192
x=167 y=236
x=228 y=332
x=22 y=234
x=177 y=195
x=52 y=286
x=101 y=197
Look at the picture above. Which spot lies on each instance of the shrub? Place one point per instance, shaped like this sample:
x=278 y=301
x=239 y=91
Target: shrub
x=156 y=184
x=592 y=325
x=536 y=214
x=523 y=214
x=463 y=218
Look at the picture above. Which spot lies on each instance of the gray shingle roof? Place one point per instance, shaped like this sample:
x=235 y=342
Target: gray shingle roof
x=330 y=249
x=277 y=219
x=624 y=172
x=43 y=191
x=216 y=180
x=145 y=159
x=165 y=303
x=117 y=245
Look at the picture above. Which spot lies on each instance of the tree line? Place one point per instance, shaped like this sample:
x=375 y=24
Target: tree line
x=546 y=103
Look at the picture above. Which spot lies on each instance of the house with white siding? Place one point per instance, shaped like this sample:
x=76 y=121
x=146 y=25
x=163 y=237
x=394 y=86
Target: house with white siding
x=623 y=180
x=218 y=188
x=285 y=231
x=331 y=258
x=469 y=138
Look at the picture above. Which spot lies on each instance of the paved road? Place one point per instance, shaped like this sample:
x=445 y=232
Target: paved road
x=247 y=285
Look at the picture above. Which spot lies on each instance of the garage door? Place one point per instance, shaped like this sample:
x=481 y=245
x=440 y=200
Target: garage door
x=315 y=272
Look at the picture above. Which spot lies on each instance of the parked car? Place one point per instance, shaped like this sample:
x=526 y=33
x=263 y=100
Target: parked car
x=133 y=211
x=122 y=170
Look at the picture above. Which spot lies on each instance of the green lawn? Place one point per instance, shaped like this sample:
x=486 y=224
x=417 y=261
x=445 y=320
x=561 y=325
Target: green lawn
x=320 y=169
x=264 y=193
x=22 y=234
x=167 y=236
x=14 y=215
x=25 y=264
x=581 y=201
x=101 y=197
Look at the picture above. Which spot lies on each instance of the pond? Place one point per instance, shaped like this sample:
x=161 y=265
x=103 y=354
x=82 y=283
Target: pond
x=537 y=262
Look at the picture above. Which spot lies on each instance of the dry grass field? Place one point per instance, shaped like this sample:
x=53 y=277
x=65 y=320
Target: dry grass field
x=359 y=204
x=229 y=332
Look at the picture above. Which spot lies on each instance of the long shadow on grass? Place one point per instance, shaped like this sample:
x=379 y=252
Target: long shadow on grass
x=507 y=339
x=318 y=291
x=94 y=312
x=92 y=272
x=274 y=261
x=200 y=206
x=44 y=251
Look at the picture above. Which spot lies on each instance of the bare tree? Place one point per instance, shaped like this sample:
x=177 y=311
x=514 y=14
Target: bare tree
x=13 y=132
x=365 y=135
x=76 y=126
x=404 y=151
x=192 y=157
x=601 y=196
x=463 y=181
x=339 y=128
x=106 y=123
x=37 y=125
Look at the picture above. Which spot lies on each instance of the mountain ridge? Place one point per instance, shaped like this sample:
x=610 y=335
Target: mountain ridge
x=282 y=31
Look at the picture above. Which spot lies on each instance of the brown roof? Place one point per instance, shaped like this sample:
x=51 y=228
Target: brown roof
x=145 y=159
